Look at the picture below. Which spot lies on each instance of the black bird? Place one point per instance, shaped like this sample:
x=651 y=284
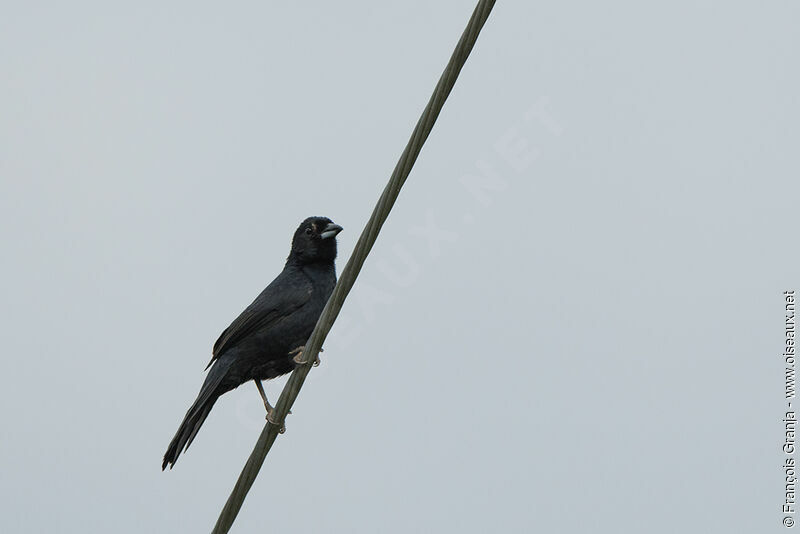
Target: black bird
x=267 y=338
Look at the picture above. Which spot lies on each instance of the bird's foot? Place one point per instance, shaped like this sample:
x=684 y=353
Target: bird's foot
x=298 y=356
x=270 y=420
x=263 y=394
x=270 y=407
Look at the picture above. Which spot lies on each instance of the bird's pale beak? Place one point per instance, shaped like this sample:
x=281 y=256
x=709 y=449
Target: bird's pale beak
x=331 y=231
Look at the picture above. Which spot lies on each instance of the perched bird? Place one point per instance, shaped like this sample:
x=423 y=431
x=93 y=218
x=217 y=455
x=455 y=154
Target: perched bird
x=267 y=339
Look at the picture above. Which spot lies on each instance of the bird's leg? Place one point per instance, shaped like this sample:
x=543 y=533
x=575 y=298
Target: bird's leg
x=268 y=406
x=261 y=392
x=298 y=352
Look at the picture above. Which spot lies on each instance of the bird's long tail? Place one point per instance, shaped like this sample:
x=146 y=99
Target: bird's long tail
x=186 y=432
x=209 y=393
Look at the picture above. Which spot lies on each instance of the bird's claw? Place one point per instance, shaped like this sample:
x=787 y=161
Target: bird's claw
x=298 y=353
x=281 y=426
x=269 y=408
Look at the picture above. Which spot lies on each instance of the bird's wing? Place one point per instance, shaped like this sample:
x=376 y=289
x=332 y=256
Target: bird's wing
x=280 y=299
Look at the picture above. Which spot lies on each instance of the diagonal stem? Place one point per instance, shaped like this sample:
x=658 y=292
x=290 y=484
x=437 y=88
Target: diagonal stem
x=354 y=264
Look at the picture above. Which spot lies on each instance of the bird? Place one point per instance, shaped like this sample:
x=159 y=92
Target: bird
x=267 y=339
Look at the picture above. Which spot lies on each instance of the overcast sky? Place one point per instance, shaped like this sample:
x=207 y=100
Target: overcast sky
x=571 y=322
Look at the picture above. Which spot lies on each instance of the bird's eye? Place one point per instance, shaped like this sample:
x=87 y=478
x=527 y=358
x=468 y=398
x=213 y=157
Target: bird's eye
x=308 y=231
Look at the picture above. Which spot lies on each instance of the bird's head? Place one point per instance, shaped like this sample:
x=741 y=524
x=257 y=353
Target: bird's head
x=315 y=241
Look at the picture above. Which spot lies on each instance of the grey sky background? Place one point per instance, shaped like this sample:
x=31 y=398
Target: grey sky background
x=572 y=321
